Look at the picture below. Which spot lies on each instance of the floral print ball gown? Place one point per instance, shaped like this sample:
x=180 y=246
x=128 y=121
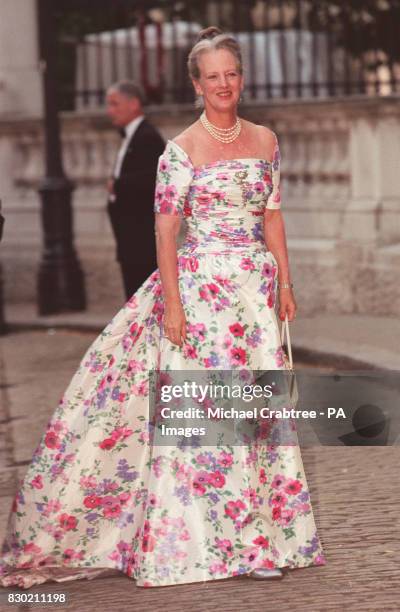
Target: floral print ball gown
x=97 y=494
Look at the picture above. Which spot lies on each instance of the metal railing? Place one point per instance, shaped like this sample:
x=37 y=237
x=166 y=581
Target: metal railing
x=291 y=48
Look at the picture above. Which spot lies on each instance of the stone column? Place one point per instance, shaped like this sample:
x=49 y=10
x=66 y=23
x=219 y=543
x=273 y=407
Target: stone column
x=388 y=141
x=372 y=214
x=359 y=224
x=20 y=80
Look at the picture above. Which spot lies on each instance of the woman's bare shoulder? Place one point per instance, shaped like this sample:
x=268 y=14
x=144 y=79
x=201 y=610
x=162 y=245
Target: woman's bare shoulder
x=257 y=128
x=186 y=139
x=266 y=133
x=262 y=135
x=267 y=140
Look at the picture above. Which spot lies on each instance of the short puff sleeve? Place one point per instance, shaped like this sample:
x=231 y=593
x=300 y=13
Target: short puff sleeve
x=274 y=198
x=174 y=175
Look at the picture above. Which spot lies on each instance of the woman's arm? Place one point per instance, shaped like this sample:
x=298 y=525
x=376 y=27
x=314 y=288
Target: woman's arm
x=275 y=239
x=167 y=230
x=174 y=177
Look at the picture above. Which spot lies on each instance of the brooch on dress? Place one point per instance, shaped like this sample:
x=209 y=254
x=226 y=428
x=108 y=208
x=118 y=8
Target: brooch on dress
x=241 y=176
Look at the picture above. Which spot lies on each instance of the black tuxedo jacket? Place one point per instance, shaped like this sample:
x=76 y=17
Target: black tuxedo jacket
x=132 y=212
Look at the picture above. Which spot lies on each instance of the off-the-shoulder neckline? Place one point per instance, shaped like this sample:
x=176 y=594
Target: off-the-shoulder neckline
x=219 y=161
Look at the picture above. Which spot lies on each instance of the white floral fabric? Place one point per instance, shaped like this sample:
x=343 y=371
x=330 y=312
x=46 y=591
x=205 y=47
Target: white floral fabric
x=97 y=494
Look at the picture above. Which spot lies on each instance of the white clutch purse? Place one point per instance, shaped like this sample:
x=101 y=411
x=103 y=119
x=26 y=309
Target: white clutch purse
x=288 y=359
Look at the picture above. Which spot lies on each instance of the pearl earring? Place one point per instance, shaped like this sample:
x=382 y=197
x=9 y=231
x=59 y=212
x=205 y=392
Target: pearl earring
x=199 y=102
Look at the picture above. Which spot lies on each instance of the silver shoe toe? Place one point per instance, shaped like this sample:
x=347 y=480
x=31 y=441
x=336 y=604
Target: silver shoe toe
x=262 y=573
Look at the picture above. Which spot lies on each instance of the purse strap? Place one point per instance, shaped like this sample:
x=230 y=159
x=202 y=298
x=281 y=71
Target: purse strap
x=285 y=328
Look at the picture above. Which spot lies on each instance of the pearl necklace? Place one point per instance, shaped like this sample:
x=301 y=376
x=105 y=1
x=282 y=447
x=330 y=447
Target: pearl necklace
x=222 y=134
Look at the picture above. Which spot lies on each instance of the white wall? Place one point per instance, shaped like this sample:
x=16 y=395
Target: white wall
x=20 y=79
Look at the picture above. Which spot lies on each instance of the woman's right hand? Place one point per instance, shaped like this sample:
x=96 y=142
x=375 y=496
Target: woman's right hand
x=174 y=323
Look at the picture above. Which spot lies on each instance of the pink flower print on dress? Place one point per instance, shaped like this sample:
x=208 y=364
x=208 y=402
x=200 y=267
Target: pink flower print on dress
x=218 y=567
x=237 y=330
x=209 y=291
x=261 y=541
x=278 y=499
x=189 y=351
x=251 y=554
x=224 y=545
x=234 y=508
x=238 y=356
x=188 y=263
x=225 y=459
x=293 y=487
x=172 y=515
x=247 y=264
x=216 y=479
x=37 y=482
x=197 y=330
x=164 y=165
x=279 y=481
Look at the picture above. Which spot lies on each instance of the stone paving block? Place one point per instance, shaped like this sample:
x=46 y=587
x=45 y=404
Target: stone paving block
x=354 y=493
x=39 y=367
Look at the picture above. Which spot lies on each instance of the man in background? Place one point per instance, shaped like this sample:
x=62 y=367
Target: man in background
x=132 y=184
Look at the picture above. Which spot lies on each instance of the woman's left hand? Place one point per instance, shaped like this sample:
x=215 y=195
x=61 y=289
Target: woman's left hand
x=287 y=304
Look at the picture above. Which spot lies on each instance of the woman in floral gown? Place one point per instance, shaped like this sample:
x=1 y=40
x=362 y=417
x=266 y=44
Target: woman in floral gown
x=98 y=495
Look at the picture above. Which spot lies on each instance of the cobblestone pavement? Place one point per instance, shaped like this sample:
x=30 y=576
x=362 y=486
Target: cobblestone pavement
x=354 y=490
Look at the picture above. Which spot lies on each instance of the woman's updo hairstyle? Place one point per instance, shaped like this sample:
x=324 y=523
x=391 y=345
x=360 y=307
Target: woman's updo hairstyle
x=211 y=39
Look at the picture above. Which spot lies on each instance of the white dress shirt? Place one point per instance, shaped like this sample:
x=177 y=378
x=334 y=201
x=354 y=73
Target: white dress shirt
x=130 y=129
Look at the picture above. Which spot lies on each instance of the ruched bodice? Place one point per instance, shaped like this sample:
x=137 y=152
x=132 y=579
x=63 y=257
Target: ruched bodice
x=226 y=204
x=223 y=201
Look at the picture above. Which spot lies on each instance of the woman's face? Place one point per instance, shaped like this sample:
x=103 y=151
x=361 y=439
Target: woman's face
x=220 y=81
